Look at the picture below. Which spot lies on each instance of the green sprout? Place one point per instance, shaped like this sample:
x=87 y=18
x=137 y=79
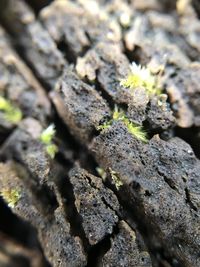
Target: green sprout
x=116 y=179
x=104 y=126
x=11 y=197
x=101 y=172
x=135 y=130
x=48 y=134
x=46 y=138
x=140 y=76
x=51 y=150
x=11 y=113
x=119 y=115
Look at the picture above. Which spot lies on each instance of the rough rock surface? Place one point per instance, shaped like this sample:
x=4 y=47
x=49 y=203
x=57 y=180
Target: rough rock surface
x=77 y=27
x=183 y=90
x=19 y=86
x=79 y=105
x=96 y=204
x=156 y=177
x=53 y=230
x=37 y=46
x=108 y=65
x=143 y=209
x=123 y=244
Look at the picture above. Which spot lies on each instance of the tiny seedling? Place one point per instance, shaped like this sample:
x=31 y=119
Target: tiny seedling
x=116 y=179
x=12 y=114
x=51 y=150
x=104 y=126
x=141 y=76
x=11 y=197
x=48 y=134
x=46 y=138
x=119 y=115
x=136 y=130
x=101 y=172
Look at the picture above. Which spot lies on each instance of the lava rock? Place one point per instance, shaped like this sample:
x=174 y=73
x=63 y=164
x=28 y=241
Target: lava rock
x=96 y=204
x=125 y=250
x=155 y=178
x=79 y=105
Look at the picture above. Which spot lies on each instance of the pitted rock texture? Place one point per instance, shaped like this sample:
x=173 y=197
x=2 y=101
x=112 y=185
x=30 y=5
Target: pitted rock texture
x=106 y=198
x=96 y=204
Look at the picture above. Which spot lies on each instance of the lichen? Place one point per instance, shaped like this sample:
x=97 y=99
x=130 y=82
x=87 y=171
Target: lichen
x=12 y=114
x=48 y=134
x=119 y=115
x=116 y=179
x=51 y=150
x=141 y=76
x=46 y=138
x=101 y=172
x=136 y=130
x=11 y=196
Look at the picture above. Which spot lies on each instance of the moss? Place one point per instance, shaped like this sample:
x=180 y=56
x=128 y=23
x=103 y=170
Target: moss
x=104 y=126
x=136 y=130
x=46 y=138
x=11 y=196
x=12 y=114
x=51 y=150
x=116 y=179
x=140 y=76
x=101 y=172
x=119 y=115
x=48 y=134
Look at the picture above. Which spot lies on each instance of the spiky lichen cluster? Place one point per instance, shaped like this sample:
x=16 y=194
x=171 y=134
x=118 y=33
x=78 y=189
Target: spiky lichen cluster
x=10 y=196
x=46 y=138
x=101 y=172
x=12 y=114
x=141 y=76
x=116 y=179
x=119 y=115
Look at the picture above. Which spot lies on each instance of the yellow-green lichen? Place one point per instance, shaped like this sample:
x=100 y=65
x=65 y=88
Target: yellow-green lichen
x=11 y=196
x=141 y=76
x=136 y=130
x=101 y=172
x=48 y=134
x=116 y=179
x=12 y=114
x=119 y=115
x=46 y=138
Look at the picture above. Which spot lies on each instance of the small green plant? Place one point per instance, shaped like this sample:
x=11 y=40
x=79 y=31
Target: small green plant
x=11 y=197
x=140 y=76
x=48 y=134
x=116 y=179
x=104 y=126
x=119 y=115
x=51 y=150
x=135 y=130
x=46 y=138
x=12 y=114
x=101 y=172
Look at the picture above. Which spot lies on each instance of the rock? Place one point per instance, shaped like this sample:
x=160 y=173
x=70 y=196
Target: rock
x=36 y=44
x=155 y=178
x=61 y=248
x=125 y=250
x=96 y=204
x=79 y=105
x=183 y=90
x=77 y=28
x=107 y=65
x=19 y=86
